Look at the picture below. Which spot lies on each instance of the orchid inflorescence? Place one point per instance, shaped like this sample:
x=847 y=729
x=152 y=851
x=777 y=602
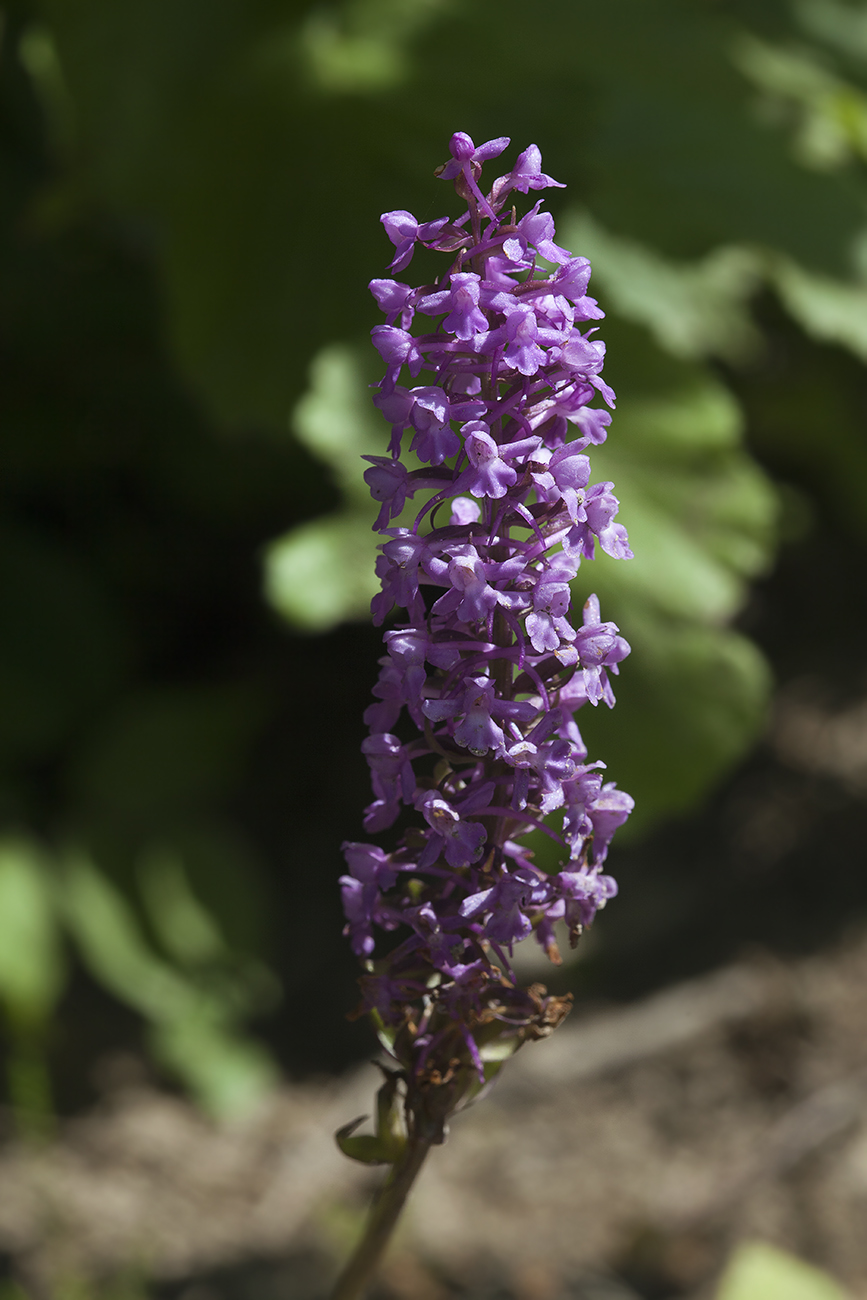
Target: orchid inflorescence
x=473 y=726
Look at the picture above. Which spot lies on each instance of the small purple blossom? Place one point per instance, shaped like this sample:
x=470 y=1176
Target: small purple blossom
x=466 y=163
x=527 y=174
x=458 y=840
x=488 y=474
x=404 y=232
x=370 y=870
x=392 y=779
x=501 y=905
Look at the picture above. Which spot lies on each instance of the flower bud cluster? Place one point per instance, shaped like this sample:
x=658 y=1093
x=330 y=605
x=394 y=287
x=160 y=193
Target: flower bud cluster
x=473 y=726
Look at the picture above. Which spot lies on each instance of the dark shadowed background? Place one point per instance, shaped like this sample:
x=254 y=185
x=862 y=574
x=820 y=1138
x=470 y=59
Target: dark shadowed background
x=190 y=194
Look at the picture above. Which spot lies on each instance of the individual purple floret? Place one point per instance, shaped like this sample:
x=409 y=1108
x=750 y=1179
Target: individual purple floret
x=490 y=375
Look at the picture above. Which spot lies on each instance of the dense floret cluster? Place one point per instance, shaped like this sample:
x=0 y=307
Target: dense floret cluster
x=473 y=725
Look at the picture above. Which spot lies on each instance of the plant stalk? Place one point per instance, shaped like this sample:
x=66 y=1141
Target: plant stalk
x=384 y=1214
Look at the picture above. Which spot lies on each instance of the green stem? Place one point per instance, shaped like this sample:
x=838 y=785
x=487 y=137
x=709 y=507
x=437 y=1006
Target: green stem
x=364 y=1261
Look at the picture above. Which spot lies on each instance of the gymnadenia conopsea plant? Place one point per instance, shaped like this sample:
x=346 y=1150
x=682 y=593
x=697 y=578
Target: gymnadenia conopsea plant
x=473 y=740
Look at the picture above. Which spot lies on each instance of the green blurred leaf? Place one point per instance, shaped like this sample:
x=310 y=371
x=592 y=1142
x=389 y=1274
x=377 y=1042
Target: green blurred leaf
x=476 y=1086
x=758 y=1271
x=692 y=309
x=499 y=1049
x=323 y=572
x=31 y=969
x=10 y=1290
x=828 y=114
x=360 y=46
x=831 y=311
x=701 y=520
x=112 y=945
x=229 y=1074
x=226 y=876
x=237 y=129
x=842 y=26
x=188 y=932
x=198 y=927
x=385 y=1033
x=224 y=126
x=335 y=418
x=192 y=1030
x=690 y=700
x=38 y=54
x=700 y=513
x=390 y=1126
x=701 y=309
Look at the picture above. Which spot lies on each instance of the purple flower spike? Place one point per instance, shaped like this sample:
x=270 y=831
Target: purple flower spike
x=473 y=739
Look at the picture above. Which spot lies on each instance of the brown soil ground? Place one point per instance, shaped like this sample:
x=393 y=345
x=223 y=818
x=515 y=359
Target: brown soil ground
x=623 y=1158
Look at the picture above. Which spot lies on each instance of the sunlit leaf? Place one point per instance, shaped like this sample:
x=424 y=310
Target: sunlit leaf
x=31 y=969
x=323 y=572
x=335 y=419
x=361 y=46
x=758 y=1271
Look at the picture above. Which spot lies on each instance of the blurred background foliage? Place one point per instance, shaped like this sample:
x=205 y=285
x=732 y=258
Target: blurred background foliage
x=189 y=203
